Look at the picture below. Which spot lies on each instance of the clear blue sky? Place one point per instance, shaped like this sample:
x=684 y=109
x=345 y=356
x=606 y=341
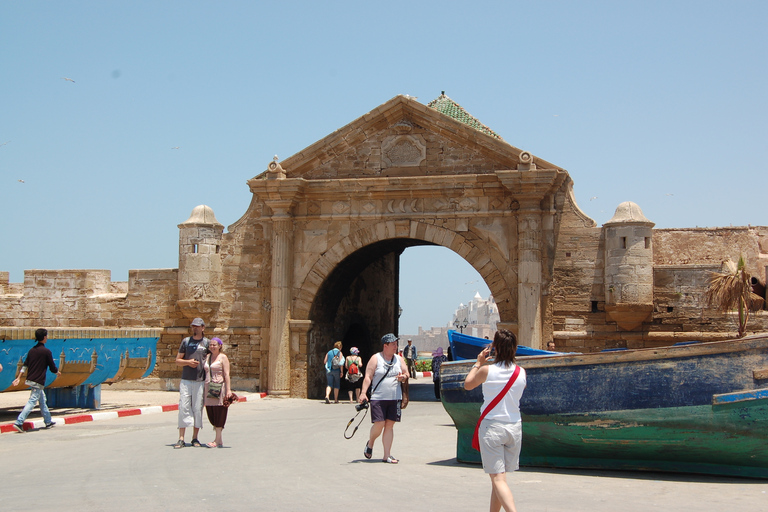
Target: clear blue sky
x=659 y=102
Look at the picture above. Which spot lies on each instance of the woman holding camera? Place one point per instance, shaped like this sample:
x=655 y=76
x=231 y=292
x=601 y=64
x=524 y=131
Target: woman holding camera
x=387 y=373
x=500 y=431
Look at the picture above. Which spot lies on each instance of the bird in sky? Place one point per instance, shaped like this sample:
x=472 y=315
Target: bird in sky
x=593 y=198
x=4 y=143
x=176 y=147
x=67 y=79
x=669 y=194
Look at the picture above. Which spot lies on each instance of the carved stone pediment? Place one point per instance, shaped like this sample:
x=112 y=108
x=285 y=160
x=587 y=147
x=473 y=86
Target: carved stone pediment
x=403 y=151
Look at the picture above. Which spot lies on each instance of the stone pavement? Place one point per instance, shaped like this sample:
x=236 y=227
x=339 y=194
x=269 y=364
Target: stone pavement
x=290 y=454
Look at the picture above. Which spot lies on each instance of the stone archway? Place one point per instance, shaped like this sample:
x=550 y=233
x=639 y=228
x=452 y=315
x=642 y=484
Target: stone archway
x=356 y=283
x=336 y=217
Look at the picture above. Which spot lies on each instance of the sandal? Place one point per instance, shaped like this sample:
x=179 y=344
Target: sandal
x=390 y=460
x=212 y=445
x=180 y=444
x=368 y=451
x=196 y=443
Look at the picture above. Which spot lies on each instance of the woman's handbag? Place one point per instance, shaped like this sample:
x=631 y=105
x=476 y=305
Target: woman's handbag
x=214 y=389
x=231 y=399
x=494 y=402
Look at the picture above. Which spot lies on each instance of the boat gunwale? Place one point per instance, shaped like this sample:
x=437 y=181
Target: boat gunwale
x=754 y=342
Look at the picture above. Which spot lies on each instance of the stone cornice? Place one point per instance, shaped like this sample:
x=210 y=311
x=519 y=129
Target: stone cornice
x=530 y=187
x=281 y=195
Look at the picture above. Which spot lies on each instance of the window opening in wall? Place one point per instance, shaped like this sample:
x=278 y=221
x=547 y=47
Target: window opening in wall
x=647 y=242
x=623 y=242
x=218 y=248
x=670 y=309
x=194 y=248
x=594 y=306
x=567 y=255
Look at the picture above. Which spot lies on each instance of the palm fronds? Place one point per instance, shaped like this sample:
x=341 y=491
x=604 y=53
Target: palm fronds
x=731 y=289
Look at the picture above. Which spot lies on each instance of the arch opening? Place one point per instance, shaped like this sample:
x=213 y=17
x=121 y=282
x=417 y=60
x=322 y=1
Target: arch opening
x=356 y=304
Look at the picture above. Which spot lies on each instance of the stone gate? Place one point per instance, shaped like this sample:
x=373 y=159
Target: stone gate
x=315 y=258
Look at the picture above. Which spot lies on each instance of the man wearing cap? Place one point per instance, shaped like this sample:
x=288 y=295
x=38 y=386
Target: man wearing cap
x=191 y=358
x=410 y=358
x=387 y=377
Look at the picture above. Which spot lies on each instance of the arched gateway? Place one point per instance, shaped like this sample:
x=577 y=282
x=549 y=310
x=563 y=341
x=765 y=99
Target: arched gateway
x=315 y=257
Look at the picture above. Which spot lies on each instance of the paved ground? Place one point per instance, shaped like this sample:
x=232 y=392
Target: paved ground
x=287 y=454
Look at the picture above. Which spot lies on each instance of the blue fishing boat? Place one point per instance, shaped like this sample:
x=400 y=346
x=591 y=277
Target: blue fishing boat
x=464 y=346
x=697 y=408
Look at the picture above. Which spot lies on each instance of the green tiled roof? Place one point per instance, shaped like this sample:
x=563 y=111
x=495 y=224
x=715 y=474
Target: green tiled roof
x=450 y=108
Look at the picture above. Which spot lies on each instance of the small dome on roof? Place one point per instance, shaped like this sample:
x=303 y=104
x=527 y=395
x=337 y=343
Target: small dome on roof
x=628 y=213
x=202 y=214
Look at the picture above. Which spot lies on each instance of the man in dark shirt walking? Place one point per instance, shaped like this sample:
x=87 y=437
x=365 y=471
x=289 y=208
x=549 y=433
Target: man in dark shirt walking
x=39 y=360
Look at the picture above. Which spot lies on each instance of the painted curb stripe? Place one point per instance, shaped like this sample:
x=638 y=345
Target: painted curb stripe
x=108 y=415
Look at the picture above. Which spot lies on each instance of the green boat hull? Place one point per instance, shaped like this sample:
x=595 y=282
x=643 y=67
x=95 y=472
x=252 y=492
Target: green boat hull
x=725 y=439
x=698 y=409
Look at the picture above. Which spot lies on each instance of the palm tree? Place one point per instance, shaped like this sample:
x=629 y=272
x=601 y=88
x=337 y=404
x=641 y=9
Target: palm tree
x=731 y=289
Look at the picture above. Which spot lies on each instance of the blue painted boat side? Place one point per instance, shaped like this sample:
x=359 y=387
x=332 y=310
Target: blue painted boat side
x=108 y=352
x=464 y=346
x=687 y=377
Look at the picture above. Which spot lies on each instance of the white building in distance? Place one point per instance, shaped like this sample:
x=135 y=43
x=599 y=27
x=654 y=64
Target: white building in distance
x=477 y=318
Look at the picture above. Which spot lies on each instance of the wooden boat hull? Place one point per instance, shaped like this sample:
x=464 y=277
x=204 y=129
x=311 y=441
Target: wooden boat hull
x=699 y=408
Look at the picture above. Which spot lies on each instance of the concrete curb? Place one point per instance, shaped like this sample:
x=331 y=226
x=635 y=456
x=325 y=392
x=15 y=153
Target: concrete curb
x=108 y=415
x=420 y=375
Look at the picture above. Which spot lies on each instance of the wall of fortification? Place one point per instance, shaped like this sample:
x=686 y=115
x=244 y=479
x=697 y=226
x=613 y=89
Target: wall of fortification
x=683 y=260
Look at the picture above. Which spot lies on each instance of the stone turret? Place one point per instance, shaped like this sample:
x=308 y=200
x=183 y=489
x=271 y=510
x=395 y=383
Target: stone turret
x=200 y=264
x=628 y=267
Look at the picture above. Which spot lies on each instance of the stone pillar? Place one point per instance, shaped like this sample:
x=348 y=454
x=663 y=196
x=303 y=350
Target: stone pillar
x=280 y=195
x=529 y=225
x=279 y=335
x=531 y=188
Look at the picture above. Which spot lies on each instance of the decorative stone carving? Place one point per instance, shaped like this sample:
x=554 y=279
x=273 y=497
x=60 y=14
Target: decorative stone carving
x=403 y=151
x=340 y=207
x=403 y=127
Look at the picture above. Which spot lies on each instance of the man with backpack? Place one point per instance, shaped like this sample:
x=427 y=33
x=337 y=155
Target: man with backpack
x=334 y=365
x=354 y=375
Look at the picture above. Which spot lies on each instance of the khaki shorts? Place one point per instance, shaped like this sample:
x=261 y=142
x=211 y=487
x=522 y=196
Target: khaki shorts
x=500 y=444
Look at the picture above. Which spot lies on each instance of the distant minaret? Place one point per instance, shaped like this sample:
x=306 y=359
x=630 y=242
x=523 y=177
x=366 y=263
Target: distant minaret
x=628 y=266
x=199 y=256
